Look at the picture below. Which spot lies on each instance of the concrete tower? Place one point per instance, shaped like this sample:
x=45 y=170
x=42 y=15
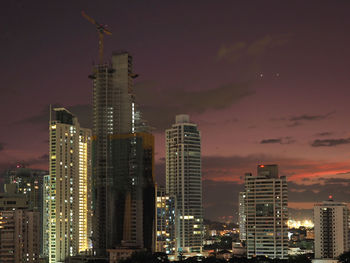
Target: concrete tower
x=184 y=181
x=112 y=114
x=69 y=187
x=331 y=221
x=266 y=210
x=123 y=161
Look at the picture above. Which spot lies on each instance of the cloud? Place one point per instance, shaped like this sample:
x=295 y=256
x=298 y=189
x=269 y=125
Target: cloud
x=283 y=140
x=160 y=110
x=254 y=49
x=324 y=134
x=330 y=142
x=231 y=52
x=336 y=180
x=41 y=161
x=317 y=192
x=298 y=120
x=2 y=146
x=306 y=117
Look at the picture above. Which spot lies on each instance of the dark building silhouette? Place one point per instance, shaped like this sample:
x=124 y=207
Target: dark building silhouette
x=123 y=185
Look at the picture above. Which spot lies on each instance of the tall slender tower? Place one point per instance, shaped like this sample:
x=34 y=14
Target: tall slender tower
x=112 y=114
x=184 y=181
x=69 y=187
x=331 y=229
x=266 y=208
x=123 y=160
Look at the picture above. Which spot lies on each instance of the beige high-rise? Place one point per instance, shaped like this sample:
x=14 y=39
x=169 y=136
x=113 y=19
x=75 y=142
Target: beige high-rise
x=331 y=221
x=70 y=189
x=266 y=208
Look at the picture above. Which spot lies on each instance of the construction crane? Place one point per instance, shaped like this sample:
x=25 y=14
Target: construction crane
x=101 y=29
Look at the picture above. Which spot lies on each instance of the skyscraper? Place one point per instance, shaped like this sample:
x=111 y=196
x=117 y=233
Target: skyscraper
x=184 y=181
x=242 y=216
x=331 y=221
x=266 y=213
x=69 y=186
x=123 y=161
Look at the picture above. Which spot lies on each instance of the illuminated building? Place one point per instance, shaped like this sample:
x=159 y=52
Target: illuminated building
x=266 y=213
x=19 y=228
x=331 y=230
x=69 y=186
x=123 y=161
x=184 y=181
x=165 y=222
x=30 y=183
x=45 y=219
x=242 y=216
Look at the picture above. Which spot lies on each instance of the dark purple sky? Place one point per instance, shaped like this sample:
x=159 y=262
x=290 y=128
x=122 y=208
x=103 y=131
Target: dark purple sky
x=266 y=81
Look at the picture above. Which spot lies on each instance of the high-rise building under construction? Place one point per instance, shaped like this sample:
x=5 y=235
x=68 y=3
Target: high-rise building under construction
x=123 y=160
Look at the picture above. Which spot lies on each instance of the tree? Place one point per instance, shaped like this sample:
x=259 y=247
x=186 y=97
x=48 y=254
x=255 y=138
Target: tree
x=345 y=257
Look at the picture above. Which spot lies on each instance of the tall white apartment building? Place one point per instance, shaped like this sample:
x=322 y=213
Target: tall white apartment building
x=69 y=186
x=242 y=216
x=331 y=221
x=266 y=210
x=184 y=181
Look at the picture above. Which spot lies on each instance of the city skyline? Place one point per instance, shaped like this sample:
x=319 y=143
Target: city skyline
x=268 y=88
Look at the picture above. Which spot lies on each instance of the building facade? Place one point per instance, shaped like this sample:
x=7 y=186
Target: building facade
x=133 y=191
x=331 y=221
x=30 y=182
x=112 y=114
x=266 y=209
x=19 y=236
x=184 y=181
x=165 y=222
x=123 y=161
x=45 y=218
x=242 y=216
x=69 y=186
x=19 y=228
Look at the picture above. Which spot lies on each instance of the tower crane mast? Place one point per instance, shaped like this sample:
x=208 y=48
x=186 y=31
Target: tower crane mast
x=102 y=30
